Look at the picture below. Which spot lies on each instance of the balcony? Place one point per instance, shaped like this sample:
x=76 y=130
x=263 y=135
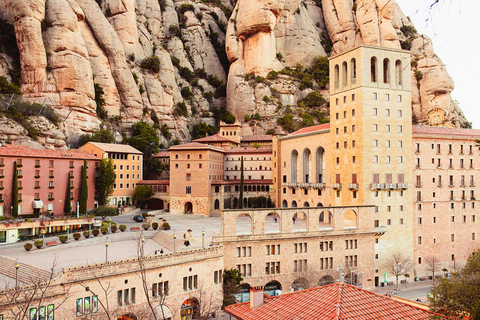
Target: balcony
x=378 y=186
x=451 y=184
x=353 y=186
x=418 y=185
x=402 y=186
x=439 y=185
x=337 y=186
x=462 y=184
x=305 y=185
x=472 y=184
x=390 y=186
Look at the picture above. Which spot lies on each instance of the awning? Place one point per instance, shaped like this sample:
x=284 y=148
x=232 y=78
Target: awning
x=37 y=204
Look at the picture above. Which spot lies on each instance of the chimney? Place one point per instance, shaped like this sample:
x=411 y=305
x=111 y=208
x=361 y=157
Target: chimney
x=256 y=297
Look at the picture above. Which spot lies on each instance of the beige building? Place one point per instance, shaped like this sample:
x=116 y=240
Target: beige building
x=128 y=165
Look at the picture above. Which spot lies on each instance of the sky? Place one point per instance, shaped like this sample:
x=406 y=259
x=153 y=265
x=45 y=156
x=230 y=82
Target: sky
x=453 y=25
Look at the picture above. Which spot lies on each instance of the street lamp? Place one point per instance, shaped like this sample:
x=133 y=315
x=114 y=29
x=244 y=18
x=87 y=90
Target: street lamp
x=17 y=265
x=89 y=226
x=174 y=240
x=68 y=231
x=43 y=235
x=110 y=223
x=106 y=251
x=203 y=239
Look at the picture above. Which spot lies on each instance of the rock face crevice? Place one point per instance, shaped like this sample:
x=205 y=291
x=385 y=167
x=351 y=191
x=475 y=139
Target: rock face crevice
x=68 y=46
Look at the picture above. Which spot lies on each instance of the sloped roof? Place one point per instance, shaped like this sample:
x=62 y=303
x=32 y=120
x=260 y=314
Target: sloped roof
x=113 y=147
x=162 y=154
x=24 y=151
x=248 y=150
x=154 y=182
x=319 y=127
x=245 y=181
x=334 y=301
x=257 y=137
x=214 y=138
x=445 y=132
x=195 y=146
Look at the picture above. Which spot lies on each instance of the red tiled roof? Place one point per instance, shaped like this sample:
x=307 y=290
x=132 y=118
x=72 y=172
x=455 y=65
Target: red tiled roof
x=233 y=150
x=334 y=301
x=162 y=154
x=24 y=151
x=257 y=137
x=114 y=147
x=245 y=181
x=195 y=146
x=447 y=132
x=154 y=182
x=214 y=138
x=319 y=127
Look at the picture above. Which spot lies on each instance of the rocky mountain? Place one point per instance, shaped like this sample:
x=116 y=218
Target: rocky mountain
x=111 y=63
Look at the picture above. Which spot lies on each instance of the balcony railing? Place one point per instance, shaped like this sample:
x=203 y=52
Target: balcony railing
x=353 y=186
x=402 y=186
x=418 y=185
x=337 y=186
x=378 y=186
x=390 y=186
x=305 y=185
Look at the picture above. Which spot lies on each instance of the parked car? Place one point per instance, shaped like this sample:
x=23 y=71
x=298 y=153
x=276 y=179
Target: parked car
x=138 y=218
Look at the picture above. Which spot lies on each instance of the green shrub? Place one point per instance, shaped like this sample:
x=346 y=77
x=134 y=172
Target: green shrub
x=186 y=7
x=146 y=226
x=122 y=227
x=307 y=120
x=266 y=99
x=155 y=225
x=151 y=63
x=165 y=226
x=418 y=75
x=270 y=131
x=214 y=15
x=175 y=30
x=272 y=75
x=312 y=100
x=287 y=122
x=28 y=246
x=113 y=228
x=104 y=230
x=38 y=244
x=162 y=4
x=201 y=73
x=175 y=62
x=180 y=110
x=408 y=31
x=202 y=129
x=144 y=215
x=86 y=234
x=76 y=236
x=63 y=238
x=105 y=211
x=95 y=232
x=186 y=93
x=279 y=56
x=100 y=101
x=8 y=88
x=166 y=132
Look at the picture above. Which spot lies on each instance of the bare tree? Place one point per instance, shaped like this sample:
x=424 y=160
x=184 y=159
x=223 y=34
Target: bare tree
x=208 y=301
x=397 y=265
x=433 y=266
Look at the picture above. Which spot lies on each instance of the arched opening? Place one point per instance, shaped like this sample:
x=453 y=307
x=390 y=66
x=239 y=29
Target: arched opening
x=155 y=204
x=325 y=280
x=293 y=166
x=294 y=204
x=319 y=204
x=216 y=204
x=235 y=203
x=350 y=219
x=127 y=316
x=243 y=224
x=243 y=294
x=300 y=284
x=373 y=69
x=306 y=204
x=306 y=166
x=344 y=73
x=337 y=76
x=188 y=207
x=319 y=165
x=353 y=70
x=273 y=288
x=272 y=223
x=300 y=221
x=163 y=312
x=351 y=278
x=398 y=72
x=245 y=202
x=284 y=204
x=326 y=219
x=189 y=310
x=386 y=70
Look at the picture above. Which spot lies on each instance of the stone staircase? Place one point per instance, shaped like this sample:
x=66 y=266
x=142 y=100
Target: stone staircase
x=27 y=274
x=166 y=240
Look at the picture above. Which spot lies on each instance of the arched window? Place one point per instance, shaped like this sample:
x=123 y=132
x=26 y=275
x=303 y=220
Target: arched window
x=306 y=204
x=386 y=70
x=294 y=204
x=293 y=166
x=353 y=70
x=217 y=204
x=319 y=165
x=306 y=165
x=398 y=72
x=344 y=73
x=284 y=204
x=337 y=75
x=373 y=69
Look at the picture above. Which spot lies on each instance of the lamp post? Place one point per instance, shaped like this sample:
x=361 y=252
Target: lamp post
x=110 y=224
x=17 y=265
x=174 y=240
x=89 y=226
x=106 y=251
x=43 y=235
x=78 y=209
x=141 y=248
x=68 y=231
x=203 y=239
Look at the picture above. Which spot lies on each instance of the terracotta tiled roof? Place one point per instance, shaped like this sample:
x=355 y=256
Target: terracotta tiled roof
x=154 y=182
x=162 y=154
x=334 y=301
x=257 y=137
x=24 y=151
x=113 y=147
x=319 y=127
x=195 y=146
x=214 y=138
x=248 y=150
x=245 y=181
x=445 y=132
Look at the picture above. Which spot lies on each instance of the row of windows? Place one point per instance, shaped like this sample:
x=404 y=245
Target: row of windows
x=438 y=163
x=376 y=223
x=190 y=283
x=452 y=219
x=251 y=159
x=387 y=128
x=200 y=157
x=452 y=238
x=127 y=167
x=438 y=181
x=120 y=186
x=438 y=148
x=121 y=156
x=387 y=112
x=127 y=176
x=246 y=169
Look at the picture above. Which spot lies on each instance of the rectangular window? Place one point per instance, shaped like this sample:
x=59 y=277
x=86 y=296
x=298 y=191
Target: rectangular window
x=375 y=111
x=399 y=98
x=374 y=96
x=387 y=97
